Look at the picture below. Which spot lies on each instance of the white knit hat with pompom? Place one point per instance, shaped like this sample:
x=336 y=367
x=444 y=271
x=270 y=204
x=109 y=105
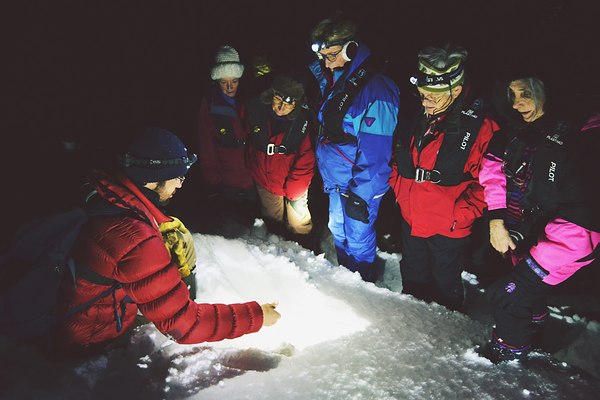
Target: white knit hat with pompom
x=227 y=64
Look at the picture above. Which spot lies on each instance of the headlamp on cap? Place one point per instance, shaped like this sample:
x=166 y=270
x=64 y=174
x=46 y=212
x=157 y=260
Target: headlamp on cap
x=131 y=160
x=156 y=155
x=286 y=99
x=423 y=79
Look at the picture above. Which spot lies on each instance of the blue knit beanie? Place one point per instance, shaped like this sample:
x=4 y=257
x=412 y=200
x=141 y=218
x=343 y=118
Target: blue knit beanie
x=156 y=155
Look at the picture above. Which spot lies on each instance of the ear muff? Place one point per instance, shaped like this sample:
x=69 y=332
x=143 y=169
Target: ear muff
x=349 y=50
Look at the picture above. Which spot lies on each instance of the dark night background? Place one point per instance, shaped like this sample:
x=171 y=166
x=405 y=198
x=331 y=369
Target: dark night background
x=96 y=72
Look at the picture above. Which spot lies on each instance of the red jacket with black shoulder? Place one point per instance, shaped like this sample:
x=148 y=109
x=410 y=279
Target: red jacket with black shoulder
x=430 y=208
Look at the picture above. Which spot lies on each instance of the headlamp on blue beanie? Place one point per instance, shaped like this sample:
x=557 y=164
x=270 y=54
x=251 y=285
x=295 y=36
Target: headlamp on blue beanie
x=156 y=155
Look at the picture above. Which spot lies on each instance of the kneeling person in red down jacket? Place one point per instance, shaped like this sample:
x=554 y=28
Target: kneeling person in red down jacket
x=127 y=247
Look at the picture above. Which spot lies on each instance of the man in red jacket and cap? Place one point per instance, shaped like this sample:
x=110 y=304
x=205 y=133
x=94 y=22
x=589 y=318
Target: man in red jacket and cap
x=434 y=177
x=126 y=246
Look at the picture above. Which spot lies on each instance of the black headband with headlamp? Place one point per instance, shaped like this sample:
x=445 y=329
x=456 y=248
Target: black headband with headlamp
x=285 y=98
x=423 y=79
x=131 y=160
x=324 y=44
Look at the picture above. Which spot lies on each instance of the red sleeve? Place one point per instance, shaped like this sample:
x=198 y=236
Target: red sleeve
x=471 y=203
x=487 y=130
x=302 y=170
x=164 y=299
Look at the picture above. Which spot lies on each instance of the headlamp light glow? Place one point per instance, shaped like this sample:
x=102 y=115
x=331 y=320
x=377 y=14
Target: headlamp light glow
x=422 y=79
x=286 y=99
x=318 y=46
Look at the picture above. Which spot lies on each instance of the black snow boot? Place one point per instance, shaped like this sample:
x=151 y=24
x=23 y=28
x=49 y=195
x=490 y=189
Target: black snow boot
x=498 y=351
x=419 y=290
x=454 y=301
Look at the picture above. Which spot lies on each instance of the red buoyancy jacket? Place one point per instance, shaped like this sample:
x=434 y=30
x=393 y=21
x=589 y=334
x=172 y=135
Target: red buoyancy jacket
x=221 y=138
x=286 y=175
x=432 y=209
x=130 y=249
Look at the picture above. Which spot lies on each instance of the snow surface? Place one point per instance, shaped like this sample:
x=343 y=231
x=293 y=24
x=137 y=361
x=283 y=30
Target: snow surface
x=338 y=338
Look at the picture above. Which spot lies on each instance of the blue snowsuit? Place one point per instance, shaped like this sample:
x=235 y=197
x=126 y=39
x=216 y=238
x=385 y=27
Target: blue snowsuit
x=360 y=167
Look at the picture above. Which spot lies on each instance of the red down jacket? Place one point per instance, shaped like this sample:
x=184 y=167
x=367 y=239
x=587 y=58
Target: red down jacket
x=131 y=251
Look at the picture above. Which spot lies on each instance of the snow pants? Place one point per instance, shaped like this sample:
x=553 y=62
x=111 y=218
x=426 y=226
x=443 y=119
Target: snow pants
x=431 y=267
x=293 y=213
x=516 y=299
x=355 y=241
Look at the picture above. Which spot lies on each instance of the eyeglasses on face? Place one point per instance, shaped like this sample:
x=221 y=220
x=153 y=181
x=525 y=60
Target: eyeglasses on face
x=181 y=178
x=331 y=57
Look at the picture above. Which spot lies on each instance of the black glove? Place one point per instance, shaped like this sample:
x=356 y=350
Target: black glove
x=356 y=208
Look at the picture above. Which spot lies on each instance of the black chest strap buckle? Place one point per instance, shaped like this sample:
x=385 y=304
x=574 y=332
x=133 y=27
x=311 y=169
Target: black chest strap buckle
x=272 y=149
x=422 y=175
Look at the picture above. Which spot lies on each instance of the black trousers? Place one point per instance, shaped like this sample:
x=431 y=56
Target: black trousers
x=515 y=298
x=431 y=267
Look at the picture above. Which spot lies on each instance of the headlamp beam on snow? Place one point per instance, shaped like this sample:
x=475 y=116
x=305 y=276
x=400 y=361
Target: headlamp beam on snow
x=130 y=160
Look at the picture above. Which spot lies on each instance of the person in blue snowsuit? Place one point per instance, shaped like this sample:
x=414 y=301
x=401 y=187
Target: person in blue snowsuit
x=357 y=117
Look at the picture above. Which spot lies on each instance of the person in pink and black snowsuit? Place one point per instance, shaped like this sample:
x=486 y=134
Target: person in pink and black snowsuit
x=542 y=212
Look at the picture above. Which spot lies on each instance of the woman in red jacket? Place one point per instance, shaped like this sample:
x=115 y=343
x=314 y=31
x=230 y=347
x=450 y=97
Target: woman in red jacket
x=126 y=247
x=281 y=157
